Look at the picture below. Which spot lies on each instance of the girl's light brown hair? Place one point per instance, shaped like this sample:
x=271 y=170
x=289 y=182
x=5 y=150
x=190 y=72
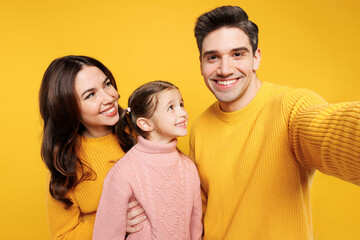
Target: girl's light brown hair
x=142 y=103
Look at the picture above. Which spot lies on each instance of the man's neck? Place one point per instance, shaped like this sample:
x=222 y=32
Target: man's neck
x=243 y=100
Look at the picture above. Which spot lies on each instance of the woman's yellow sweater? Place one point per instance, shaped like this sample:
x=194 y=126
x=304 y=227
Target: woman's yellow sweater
x=256 y=164
x=77 y=222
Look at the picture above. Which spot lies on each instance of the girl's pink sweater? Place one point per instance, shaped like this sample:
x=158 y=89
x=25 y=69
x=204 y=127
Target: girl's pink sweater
x=164 y=182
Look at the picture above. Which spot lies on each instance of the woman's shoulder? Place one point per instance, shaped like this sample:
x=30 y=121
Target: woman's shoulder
x=123 y=166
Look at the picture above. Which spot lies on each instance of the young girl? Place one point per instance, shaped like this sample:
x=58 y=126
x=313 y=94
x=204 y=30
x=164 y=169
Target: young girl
x=161 y=178
x=78 y=104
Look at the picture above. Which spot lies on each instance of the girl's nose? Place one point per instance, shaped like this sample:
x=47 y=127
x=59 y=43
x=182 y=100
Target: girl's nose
x=182 y=113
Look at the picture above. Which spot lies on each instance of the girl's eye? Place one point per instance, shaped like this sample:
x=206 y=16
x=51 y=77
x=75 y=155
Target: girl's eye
x=171 y=108
x=182 y=104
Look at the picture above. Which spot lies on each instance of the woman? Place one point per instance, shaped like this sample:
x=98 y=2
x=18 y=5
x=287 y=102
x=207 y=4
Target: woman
x=78 y=104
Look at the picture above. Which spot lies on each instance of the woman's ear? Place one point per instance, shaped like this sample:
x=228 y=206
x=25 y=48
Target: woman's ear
x=144 y=124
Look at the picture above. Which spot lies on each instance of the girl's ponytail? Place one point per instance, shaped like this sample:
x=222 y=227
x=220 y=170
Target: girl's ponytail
x=124 y=131
x=142 y=103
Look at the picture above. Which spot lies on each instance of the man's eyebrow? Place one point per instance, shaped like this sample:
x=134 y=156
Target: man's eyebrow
x=210 y=52
x=245 y=49
x=240 y=49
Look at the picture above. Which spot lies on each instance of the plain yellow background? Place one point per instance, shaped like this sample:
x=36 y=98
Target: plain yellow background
x=310 y=44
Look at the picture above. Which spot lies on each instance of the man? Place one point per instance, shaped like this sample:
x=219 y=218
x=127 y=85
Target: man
x=258 y=146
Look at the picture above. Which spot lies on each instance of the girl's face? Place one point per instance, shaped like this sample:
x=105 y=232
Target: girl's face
x=170 y=118
x=97 y=101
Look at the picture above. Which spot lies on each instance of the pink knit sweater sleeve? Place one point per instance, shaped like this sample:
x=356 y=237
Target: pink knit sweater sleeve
x=196 y=224
x=110 y=221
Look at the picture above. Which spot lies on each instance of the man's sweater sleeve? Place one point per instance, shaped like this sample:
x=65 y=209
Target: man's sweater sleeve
x=326 y=136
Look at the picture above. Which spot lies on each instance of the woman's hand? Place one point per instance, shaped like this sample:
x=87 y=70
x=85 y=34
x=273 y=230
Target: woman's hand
x=134 y=216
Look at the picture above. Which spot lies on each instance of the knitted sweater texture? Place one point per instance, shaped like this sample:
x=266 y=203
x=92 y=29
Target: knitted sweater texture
x=77 y=222
x=164 y=182
x=256 y=165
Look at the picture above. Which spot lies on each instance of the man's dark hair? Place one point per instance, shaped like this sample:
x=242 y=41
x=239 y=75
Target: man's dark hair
x=225 y=16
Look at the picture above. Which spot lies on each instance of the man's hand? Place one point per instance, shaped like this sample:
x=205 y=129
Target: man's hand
x=134 y=216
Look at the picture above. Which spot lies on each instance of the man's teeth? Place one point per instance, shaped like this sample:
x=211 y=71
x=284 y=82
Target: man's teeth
x=109 y=111
x=226 y=82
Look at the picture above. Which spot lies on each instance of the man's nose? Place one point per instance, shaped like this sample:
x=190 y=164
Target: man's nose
x=225 y=68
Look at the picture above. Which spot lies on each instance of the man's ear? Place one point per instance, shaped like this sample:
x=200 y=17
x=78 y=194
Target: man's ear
x=257 y=59
x=144 y=124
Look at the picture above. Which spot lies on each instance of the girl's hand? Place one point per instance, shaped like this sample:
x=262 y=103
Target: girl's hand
x=134 y=216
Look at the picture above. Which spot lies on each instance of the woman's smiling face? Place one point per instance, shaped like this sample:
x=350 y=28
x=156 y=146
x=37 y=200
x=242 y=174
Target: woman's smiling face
x=97 y=101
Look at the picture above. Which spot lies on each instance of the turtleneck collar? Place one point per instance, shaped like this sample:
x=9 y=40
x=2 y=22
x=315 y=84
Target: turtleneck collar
x=146 y=146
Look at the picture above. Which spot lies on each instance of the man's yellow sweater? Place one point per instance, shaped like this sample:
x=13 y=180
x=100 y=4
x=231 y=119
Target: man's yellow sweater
x=256 y=164
x=77 y=222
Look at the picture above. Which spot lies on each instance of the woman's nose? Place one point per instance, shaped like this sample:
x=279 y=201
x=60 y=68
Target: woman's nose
x=107 y=98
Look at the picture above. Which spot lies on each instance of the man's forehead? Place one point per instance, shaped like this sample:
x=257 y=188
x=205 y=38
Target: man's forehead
x=225 y=39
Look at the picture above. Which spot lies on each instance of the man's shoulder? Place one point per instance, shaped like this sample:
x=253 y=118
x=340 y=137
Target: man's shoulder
x=302 y=95
x=206 y=115
x=287 y=93
x=292 y=100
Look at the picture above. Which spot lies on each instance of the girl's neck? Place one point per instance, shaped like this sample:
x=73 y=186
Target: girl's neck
x=157 y=139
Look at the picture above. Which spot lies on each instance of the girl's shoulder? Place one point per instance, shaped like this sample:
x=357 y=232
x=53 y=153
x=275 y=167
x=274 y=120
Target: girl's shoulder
x=187 y=160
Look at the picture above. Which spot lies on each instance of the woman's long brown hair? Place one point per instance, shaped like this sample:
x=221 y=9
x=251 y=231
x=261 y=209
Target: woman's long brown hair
x=59 y=109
